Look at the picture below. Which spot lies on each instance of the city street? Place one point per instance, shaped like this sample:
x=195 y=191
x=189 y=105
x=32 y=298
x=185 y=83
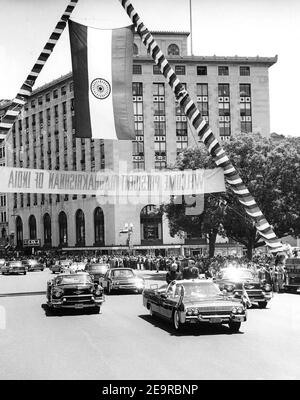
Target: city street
x=124 y=342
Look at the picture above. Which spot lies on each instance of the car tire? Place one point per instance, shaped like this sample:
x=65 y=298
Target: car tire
x=263 y=304
x=24 y=273
x=234 y=326
x=151 y=311
x=176 y=321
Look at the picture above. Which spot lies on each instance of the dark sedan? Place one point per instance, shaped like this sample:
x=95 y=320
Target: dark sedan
x=74 y=290
x=14 y=267
x=122 y=279
x=192 y=301
x=97 y=271
x=240 y=282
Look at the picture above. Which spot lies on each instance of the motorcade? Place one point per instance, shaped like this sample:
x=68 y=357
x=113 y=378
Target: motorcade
x=292 y=273
x=97 y=271
x=192 y=301
x=240 y=282
x=74 y=290
x=77 y=266
x=14 y=267
x=33 y=265
x=124 y=279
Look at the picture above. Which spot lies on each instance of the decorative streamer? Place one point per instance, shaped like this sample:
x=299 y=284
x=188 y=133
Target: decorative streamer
x=25 y=91
x=204 y=132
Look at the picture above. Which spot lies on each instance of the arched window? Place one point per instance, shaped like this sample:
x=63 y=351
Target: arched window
x=63 y=229
x=173 y=50
x=3 y=232
x=47 y=229
x=32 y=227
x=135 y=50
x=151 y=224
x=80 y=228
x=19 y=231
x=99 y=226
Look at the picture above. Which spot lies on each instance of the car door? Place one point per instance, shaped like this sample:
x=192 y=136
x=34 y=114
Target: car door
x=168 y=301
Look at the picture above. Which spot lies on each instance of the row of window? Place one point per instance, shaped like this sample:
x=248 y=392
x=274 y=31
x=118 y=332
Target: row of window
x=201 y=70
x=150 y=220
x=62 y=91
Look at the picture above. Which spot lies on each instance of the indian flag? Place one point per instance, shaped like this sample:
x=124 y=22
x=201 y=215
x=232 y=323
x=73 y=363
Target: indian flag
x=102 y=79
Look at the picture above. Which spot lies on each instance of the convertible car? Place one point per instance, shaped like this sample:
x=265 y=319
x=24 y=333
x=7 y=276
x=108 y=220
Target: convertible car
x=194 y=301
x=237 y=281
x=33 y=265
x=74 y=290
x=97 y=271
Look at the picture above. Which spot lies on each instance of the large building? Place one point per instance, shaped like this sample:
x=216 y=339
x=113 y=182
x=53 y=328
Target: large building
x=232 y=93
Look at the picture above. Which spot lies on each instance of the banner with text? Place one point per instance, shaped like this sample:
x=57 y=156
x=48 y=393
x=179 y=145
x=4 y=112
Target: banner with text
x=161 y=183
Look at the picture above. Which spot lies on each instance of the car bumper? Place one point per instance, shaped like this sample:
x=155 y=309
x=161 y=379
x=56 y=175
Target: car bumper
x=292 y=288
x=127 y=287
x=63 y=303
x=221 y=319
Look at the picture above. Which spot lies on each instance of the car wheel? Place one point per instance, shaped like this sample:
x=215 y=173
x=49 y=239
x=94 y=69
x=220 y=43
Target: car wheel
x=234 y=326
x=151 y=310
x=24 y=273
x=262 y=304
x=176 y=320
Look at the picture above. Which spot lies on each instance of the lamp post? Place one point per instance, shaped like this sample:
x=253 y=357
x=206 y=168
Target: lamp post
x=128 y=228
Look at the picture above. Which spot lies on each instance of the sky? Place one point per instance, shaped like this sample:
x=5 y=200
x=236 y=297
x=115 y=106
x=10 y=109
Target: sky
x=220 y=27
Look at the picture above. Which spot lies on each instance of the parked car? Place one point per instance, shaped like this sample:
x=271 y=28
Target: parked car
x=237 y=280
x=33 y=265
x=14 y=267
x=74 y=290
x=193 y=301
x=122 y=279
x=97 y=271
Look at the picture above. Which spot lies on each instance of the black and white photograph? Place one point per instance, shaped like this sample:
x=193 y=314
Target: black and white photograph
x=149 y=193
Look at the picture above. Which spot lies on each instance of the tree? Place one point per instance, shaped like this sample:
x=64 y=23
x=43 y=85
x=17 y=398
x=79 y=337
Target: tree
x=209 y=221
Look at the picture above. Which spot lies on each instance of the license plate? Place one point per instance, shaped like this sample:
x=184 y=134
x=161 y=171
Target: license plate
x=78 y=305
x=215 y=320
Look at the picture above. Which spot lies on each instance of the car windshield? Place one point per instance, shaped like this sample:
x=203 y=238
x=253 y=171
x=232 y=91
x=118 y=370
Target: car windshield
x=236 y=274
x=101 y=269
x=73 y=279
x=33 y=262
x=201 y=290
x=123 y=273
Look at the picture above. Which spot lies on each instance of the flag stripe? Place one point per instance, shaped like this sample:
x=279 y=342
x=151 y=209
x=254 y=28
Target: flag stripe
x=78 y=42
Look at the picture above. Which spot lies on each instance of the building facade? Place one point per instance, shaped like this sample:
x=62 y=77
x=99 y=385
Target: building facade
x=232 y=93
x=4 y=233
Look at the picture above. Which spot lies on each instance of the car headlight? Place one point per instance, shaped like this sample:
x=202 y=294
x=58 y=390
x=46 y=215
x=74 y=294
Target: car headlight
x=195 y=311
x=139 y=283
x=57 y=292
x=240 y=310
x=234 y=310
x=268 y=287
x=229 y=287
x=189 y=311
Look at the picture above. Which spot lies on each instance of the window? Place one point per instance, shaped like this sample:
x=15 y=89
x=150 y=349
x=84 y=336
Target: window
x=224 y=110
x=202 y=100
x=32 y=103
x=63 y=90
x=180 y=69
x=63 y=229
x=47 y=97
x=32 y=227
x=138 y=144
x=19 y=231
x=244 y=71
x=55 y=93
x=159 y=125
x=173 y=50
x=156 y=70
x=80 y=228
x=201 y=70
x=47 y=229
x=71 y=87
x=135 y=49
x=245 y=107
x=223 y=70
x=99 y=226
x=137 y=69
x=40 y=100
x=151 y=224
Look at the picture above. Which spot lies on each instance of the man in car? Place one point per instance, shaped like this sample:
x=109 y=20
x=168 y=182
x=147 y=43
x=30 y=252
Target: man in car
x=173 y=274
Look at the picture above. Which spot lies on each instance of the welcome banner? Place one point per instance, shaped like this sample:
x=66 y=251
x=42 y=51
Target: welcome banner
x=163 y=183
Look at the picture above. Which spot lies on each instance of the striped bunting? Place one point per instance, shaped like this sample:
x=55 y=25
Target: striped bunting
x=203 y=130
x=25 y=91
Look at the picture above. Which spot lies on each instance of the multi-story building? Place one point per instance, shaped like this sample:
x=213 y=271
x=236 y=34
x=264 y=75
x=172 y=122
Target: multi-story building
x=232 y=93
x=4 y=233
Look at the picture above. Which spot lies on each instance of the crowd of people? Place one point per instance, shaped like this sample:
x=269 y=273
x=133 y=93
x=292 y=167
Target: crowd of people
x=265 y=267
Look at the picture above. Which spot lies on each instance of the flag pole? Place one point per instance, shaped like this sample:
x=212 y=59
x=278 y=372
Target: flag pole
x=191 y=27
x=204 y=132
x=25 y=91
